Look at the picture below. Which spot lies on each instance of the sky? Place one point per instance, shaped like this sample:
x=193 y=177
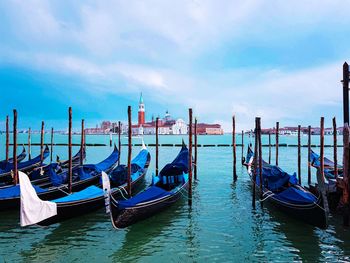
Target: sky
x=279 y=60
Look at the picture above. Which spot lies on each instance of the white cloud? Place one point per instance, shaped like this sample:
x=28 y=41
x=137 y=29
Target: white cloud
x=126 y=46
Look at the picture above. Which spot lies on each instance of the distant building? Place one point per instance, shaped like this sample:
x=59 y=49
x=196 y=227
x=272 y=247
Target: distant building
x=167 y=125
x=209 y=129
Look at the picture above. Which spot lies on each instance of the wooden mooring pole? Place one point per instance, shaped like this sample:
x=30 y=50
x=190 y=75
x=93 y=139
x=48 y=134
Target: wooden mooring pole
x=195 y=149
x=277 y=134
x=299 y=154
x=345 y=82
x=110 y=139
x=255 y=167
x=335 y=157
x=320 y=173
x=269 y=148
x=15 y=171
x=70 y=170
x=344 y=184
x=7 y=138
x=260 y=160
x=157 y=145
x=190 y=157
x=242 y=157
x=42 y=142
x=129 y=151
x=29 y=144
x=309 y=155
x=82 y=142
x=51 y=145
x=119 y=141
x=234 y=148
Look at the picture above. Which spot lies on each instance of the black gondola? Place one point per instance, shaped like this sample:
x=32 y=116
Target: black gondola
x=283 y=191
x=93 y=197
x=27 y=166
x=83 y=176
x=166 y=189
x=20 y=158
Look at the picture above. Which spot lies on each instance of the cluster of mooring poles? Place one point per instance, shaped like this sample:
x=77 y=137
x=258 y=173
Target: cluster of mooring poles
x=42 y=134
x=340 y=203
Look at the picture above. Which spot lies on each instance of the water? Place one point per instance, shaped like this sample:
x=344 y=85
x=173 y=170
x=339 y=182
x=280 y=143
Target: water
x=220 y=227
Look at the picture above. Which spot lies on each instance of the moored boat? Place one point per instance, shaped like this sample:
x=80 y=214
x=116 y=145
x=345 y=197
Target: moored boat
x=283 y=191
x=165 y=189
x=93 y=197
x=83 y=177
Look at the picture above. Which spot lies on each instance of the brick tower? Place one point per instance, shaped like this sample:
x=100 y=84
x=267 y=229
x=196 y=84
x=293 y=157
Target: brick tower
x=141 y=114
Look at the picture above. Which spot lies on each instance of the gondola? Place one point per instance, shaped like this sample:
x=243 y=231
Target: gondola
x=333 y=192
x=165 y=189
x=283 y=191
x=27 y=166
x=93 y=197
x=83 y=177
x=20 y=158
x=40 y=175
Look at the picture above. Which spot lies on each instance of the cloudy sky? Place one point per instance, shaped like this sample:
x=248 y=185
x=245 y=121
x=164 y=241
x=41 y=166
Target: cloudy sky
x=280 y=60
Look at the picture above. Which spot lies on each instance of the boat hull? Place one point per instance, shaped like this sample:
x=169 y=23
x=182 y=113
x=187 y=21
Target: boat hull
x=70 y=210
x=122 y=218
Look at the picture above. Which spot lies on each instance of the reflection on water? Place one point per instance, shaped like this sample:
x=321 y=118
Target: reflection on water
x=221 y=225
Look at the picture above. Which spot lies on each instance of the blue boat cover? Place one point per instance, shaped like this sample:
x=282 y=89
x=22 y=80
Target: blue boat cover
x=178 y=166
x=14 y=191
x=89 y=192
x=109 y=161
x=23 y=165
x=20 y=157
x=151 y=193
x=119 y=174
x=274 y=177
x=296 y=196
x=316 y=161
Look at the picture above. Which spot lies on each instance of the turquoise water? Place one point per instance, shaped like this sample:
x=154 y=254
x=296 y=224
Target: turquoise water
x=221 y=226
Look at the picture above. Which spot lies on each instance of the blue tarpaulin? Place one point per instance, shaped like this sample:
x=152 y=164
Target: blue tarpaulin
x=14 y=191
x=90 y=192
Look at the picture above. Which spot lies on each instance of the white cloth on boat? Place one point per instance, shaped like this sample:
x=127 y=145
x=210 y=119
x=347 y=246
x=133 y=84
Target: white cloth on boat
x=106 y=189
x=33 y=209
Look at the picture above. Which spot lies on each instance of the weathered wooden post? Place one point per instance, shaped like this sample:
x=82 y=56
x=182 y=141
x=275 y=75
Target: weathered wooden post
x=255 y=167
x=242 y=157
x=320 y=173
x=344 y=184
x=29 y=144
x=346 y=92
x=190 y=157
x=299 y=154
x=234 y=147
x=269 y=147
x=309 y=155
x=260 y=160
x=42 y=142
x=119 y=141
x=82 y=142
x=70 y=171
x=7 y=138
x=277 y=134
x=129 y=150
x=195 y=149
x=157 y=145
x=110 y=139
x=335 y=157
x=51 y=145
x=15 y=172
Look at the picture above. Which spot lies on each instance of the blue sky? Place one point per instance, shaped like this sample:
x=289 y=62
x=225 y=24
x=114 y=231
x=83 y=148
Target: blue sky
x=280 y=60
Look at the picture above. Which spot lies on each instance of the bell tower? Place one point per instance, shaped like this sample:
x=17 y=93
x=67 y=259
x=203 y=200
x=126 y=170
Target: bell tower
x=141 y=113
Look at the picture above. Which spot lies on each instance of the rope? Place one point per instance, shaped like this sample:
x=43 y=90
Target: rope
x=59 y=188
